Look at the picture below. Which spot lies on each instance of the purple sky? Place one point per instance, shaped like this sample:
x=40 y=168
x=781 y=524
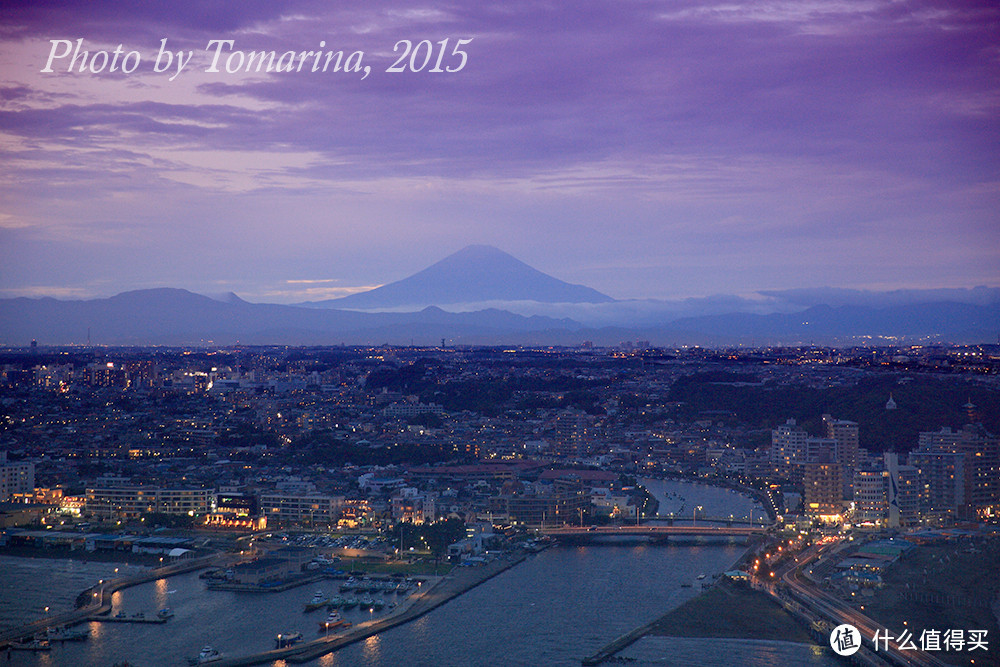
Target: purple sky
x=643 y=148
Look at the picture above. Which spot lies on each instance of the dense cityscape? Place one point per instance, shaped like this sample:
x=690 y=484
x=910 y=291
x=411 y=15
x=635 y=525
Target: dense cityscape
x=281 y=463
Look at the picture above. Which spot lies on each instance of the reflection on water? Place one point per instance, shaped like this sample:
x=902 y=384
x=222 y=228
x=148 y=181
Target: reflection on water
x=371 y=649
x=161 y=592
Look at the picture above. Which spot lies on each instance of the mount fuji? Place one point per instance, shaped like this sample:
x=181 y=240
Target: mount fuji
x=474 y=274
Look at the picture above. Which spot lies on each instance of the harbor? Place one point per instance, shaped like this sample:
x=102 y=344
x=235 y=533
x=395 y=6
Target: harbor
x=431 y=593
x=435 y=592
x=529 y=608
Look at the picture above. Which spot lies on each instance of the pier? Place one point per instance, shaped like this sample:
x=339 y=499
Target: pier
x=617 y=645
x=251 y=588
x=127 y=619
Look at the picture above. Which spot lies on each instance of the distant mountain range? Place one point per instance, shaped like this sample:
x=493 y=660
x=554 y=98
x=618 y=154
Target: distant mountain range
x=168 y=316
x=481 y=296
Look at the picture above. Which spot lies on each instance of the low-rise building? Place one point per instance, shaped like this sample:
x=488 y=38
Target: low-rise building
x=307 y=509
x=133 y=501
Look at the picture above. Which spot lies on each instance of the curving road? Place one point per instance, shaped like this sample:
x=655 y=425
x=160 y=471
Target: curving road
x=839 y=612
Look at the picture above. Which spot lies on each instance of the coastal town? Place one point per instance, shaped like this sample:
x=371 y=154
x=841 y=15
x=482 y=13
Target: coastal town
x=407 y=475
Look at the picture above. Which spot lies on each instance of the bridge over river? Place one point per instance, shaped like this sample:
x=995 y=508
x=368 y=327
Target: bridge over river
x=651 y=531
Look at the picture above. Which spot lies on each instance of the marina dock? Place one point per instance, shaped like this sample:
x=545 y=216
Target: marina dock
x=438 y=592
x=128 y=619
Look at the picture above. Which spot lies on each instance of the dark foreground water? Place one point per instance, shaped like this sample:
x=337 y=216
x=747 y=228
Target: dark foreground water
x=553 y=609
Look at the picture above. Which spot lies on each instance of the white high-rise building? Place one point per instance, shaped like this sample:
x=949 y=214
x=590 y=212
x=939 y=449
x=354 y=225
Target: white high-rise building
x=788 y=449
x=15 y=478
x=846 y=435
x=871 y=501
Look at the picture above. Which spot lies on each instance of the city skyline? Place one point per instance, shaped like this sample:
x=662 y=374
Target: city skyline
x=657 y=150
x=455 y=484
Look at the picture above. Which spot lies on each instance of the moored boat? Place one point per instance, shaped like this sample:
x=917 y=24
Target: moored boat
x=333 y=621
x=318 y=600
x=207 y=655
x=66 y=635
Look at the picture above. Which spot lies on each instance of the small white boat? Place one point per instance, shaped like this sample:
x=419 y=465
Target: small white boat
x=207 y=655
x=318 y=600
x=165 y=613
x=333 y=621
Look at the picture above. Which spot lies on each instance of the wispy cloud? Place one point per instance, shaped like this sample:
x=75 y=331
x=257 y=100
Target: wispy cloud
x=295 y=293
